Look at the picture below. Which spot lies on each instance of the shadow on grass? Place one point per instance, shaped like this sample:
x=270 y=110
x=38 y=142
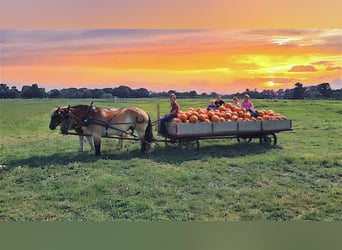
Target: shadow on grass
x=53 y=159
x=175 y=155
x=160 y=154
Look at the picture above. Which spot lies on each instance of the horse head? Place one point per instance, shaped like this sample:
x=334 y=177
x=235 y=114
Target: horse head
x=55 y=118
x=72 y=118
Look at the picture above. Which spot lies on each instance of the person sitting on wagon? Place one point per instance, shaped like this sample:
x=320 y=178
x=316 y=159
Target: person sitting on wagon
x=236 y=102
x=248 y=105
x=219 y=102
x=168 y=117
x=212 y=105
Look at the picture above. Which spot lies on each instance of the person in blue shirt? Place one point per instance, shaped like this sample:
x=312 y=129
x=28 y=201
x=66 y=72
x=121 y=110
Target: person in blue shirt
x=212 y=105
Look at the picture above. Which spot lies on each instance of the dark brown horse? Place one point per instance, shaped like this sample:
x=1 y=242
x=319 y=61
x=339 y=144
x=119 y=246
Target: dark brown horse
x=99 y=122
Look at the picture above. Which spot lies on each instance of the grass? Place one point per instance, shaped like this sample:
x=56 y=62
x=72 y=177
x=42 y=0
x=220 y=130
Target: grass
x=43 y=177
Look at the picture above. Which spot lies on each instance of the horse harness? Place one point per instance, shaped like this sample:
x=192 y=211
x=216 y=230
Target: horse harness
x=88 y=119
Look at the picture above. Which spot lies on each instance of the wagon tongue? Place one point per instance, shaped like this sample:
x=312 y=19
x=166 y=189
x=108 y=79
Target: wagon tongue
x=64 y=131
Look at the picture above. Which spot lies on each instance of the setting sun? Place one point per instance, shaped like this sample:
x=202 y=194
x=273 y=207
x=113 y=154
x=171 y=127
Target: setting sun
x=271 y=84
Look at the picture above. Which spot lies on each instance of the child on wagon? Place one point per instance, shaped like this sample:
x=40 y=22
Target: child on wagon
x=236 y=102
x=248 y=105
x=212 y=105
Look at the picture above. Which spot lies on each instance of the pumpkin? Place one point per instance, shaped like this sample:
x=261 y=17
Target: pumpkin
x=214 y=118
x=183 y=117
x=176 y=120
x=193 y=119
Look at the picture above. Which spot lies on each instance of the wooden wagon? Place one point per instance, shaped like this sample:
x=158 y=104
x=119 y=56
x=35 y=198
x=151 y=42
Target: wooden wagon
x=188 y=135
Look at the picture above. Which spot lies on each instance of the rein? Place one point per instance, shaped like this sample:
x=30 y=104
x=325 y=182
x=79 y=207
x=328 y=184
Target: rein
x=108 y=126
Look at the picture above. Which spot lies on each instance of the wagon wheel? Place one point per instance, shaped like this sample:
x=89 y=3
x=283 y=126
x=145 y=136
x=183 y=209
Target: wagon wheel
x=169 y=143
x=244 y=139
x=155 y=146
x=268 y=139
x=189 y=144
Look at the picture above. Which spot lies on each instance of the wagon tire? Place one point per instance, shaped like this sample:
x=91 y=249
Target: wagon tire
x=268 y=139
x=189 y=145
x=243 y=139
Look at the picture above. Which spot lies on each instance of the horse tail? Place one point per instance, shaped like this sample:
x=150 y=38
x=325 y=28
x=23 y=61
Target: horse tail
x=148 y=138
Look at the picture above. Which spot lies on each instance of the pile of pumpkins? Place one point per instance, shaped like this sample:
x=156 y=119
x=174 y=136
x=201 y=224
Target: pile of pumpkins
x=226 y=113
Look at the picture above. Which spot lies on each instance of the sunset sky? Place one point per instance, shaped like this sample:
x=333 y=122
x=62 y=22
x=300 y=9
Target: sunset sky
x=206 y=60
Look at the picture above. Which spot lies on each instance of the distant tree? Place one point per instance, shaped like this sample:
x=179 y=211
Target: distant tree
x=108 y=90
x=288 y=94
x=26 y=92
x=54 y=93
x=140 y=93
x=69 y=92
x=37 y=92
x=213 y=94
x=315 y=94
x=298 y=91
x=192 y=94
x=97 y=93
x=84 y=93
x=122 y=91
x=337 y=94
x=6 y=92
x=325 y=90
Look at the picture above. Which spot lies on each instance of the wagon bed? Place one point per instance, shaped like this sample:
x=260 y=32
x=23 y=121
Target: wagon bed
x=189 y=134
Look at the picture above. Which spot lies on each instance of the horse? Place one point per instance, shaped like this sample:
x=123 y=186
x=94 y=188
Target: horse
x=57 y=116
x=101 y=122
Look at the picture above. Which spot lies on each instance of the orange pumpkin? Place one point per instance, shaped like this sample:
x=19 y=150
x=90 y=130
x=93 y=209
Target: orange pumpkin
x=201 y=117
x=228 y=105
x=221 y=108
x=193 y=119
x=176 y=120
x=214 y=118
x=183 y=117
x=261 y=113
x=247 y=115
x=234 y=117
x=211 y=113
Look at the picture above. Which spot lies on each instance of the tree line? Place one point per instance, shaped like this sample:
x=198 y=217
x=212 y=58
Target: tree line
x=320 y=91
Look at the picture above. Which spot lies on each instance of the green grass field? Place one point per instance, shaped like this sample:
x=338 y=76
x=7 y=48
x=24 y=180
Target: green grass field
x=43 y=177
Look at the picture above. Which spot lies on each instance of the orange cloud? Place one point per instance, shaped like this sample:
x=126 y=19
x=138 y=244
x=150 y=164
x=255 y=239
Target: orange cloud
x=330 y=68
x=302 y=68
x=223 y=61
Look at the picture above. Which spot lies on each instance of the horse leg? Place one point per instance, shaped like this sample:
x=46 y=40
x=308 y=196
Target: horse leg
x=97 y=144
x=146 y=137
x=120 y=145
x=91 y=142
x=81 y=143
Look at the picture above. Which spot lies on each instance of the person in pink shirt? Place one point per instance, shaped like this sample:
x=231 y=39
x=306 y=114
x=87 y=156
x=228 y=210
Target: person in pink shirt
x=248 y=105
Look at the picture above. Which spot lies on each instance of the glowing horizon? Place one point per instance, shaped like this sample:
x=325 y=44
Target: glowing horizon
x=223 y=61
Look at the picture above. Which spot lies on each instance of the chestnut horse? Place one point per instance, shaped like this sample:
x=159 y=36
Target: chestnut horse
x=99 y=122
x=57 y=116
